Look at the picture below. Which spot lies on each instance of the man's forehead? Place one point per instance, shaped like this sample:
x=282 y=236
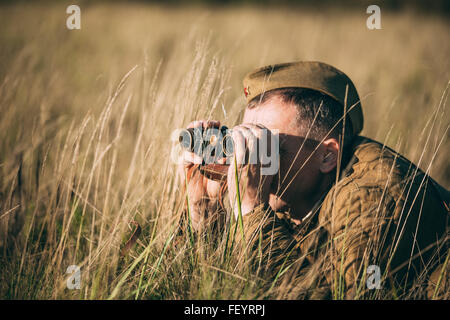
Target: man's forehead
x=274 y=114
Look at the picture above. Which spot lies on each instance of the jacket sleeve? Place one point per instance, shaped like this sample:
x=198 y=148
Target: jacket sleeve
x=358 y=220
x=268 y=241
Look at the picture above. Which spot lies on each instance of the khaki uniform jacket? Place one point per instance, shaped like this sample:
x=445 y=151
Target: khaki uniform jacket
x=383 y=212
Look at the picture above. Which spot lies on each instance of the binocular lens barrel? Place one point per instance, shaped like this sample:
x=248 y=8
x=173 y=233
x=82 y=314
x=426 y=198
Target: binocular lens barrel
x=186 y=139
x=194 y=139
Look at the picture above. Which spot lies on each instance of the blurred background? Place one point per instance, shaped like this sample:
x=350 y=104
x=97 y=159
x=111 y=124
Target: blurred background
x=86 y=115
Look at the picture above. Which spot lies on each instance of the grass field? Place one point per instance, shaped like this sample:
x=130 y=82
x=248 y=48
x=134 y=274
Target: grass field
x=86 y=117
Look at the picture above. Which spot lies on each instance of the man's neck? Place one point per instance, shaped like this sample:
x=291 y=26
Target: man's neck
x=304 y=205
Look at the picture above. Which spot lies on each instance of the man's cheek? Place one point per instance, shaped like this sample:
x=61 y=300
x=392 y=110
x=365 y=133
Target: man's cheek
x=283 y=171
x=274 y=184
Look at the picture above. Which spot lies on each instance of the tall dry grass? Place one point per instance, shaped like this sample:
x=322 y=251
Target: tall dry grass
x=86 y=116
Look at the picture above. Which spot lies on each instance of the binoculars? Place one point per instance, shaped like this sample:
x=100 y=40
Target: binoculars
x=216 y=141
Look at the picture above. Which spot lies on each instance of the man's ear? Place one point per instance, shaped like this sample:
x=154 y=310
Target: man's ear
x=330 y=155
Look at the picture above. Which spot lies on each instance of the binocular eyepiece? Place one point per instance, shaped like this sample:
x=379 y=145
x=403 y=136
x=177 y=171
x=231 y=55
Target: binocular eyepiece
x=217 y=141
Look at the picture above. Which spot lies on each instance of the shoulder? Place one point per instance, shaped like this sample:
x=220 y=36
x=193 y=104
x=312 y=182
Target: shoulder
x=376 y=178
x=374 y=165
x=372 y=180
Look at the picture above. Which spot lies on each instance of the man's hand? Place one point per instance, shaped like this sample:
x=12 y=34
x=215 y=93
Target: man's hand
x=202 y=192
x=254 y=188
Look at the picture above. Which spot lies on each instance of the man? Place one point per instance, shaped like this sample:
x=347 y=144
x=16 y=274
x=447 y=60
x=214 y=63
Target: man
x=339 y=202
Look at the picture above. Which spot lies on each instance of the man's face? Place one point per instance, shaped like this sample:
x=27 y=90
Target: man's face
x=299 y=177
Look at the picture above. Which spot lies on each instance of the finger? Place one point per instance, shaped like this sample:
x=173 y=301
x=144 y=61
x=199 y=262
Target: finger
x=257 y=130
x=212 y=124
x=239 y=145
x=248 y=151
x=265 y=142
x=196 y=124
x=191 y=158
x=204 y=124
x=250 y=138
x=222 y=161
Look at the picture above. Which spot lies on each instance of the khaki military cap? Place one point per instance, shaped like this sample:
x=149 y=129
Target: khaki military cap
x=313 y=75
